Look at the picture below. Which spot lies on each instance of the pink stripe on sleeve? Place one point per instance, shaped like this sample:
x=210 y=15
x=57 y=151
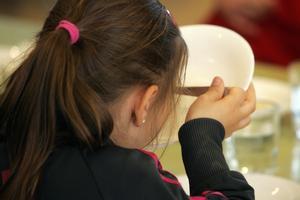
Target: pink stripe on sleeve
x=152 y=155
x=206 y=193
x=214 y=193
x=198 y=198
x=159 y=167
x=5 y=176
x=169 y=180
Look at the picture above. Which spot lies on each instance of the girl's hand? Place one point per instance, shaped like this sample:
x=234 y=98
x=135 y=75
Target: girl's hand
x=233 y=110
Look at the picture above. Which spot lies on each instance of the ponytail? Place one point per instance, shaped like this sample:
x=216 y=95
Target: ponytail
x=45 y=86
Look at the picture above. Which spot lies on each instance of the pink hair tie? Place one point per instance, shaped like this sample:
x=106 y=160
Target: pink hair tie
x=71 y=28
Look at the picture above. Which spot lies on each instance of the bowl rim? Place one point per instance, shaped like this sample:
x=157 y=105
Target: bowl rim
x=243 y=41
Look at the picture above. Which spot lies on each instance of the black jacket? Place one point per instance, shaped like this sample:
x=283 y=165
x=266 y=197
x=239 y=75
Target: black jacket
x=114 y=173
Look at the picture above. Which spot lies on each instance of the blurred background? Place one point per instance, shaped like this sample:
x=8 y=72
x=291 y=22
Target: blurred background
x=272 y=27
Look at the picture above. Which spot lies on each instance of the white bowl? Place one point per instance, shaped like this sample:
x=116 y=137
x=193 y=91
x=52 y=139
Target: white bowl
x=217 y=51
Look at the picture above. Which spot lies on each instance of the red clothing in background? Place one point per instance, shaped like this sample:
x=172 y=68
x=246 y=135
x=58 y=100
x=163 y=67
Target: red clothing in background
x=278 y=39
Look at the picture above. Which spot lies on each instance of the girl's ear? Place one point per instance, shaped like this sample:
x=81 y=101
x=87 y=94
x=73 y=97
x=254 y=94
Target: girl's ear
x=143 y=105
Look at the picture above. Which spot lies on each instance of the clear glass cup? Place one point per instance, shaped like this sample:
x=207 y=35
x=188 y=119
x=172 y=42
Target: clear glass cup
x=295 y=165
x=294 y=78
x=255 y=148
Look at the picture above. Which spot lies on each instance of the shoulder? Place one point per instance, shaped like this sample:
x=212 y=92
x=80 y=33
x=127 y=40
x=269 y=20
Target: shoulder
x=132 y=174
x=108 y=173
x=122 y=172
x=66 y=176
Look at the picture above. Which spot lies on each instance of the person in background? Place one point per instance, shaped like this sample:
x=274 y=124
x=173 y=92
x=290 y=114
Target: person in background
x=95 y=90
x=272 y=27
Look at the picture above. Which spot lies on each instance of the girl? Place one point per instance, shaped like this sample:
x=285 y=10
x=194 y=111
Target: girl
x=97 y=87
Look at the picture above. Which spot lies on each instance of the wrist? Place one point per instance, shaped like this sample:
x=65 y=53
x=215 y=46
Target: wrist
x=202 y=139
x=204 y=126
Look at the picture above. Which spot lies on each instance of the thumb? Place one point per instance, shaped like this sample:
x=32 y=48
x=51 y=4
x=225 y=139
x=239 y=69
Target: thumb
x=216 y=90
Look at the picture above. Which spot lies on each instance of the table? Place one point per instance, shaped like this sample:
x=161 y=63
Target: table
x=289 y=148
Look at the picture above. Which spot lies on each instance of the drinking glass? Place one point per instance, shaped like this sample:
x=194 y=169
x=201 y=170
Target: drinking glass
x=294 y=77
x=255 y=148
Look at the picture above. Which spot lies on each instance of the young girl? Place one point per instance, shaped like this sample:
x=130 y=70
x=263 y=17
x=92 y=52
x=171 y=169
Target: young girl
x=97 y=88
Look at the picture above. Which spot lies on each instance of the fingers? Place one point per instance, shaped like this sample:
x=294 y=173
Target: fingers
x=216 y=90
x=251 y=94
x=249 y=106
x=244 y=123
x=236 y=96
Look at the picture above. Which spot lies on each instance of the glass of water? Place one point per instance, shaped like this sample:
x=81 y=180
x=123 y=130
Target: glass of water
x=255 y=148
x=294 y=76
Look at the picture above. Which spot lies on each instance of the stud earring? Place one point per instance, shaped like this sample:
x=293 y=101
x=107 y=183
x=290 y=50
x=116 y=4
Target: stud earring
x=144 y=121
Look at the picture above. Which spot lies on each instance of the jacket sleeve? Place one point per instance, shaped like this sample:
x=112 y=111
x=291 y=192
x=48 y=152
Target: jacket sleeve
x=207 y=170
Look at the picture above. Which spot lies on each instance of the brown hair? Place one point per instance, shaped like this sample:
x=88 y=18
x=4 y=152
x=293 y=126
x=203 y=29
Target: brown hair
x=122 y=44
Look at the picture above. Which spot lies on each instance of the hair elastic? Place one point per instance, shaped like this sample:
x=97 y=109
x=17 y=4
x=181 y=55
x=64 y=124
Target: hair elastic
x=71 y=28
